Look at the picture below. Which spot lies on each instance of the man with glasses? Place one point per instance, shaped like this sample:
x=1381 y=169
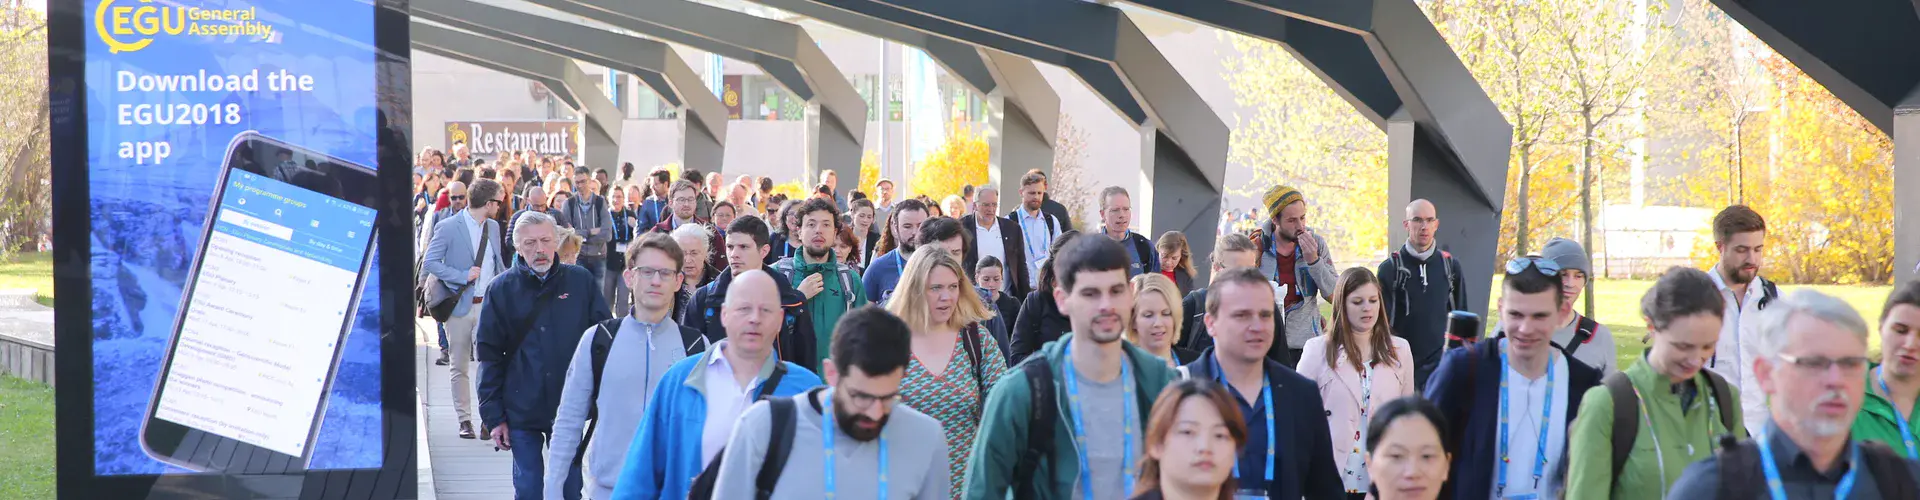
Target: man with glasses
x=1422 y=285
x=612 y=395
x=855 y=423
x=1512 y=398
x=1810 y=359
x=997 y=237
x=698 y=400
x=589 y=216
x=450 y=257
x=683 y=203
x=831 y=286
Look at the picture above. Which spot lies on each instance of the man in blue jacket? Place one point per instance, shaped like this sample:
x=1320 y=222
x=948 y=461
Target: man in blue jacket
x=1511 y=399
x=531 y=320
x=1286 y=454
x=698 y=399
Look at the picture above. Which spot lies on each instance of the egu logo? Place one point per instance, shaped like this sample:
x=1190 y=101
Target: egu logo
x=145 y=21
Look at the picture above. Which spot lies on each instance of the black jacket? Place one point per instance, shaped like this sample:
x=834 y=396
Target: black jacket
x=796 y=343
x=1010 y=309
x=1058 y=211
x=522 y=370
x=1193 y=328
x=1305 y=468
x=1012 y=243
x=1419 y=294
x=1040 y=322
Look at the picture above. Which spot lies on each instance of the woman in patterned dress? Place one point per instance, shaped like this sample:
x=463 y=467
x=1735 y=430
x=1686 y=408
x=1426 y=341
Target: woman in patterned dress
x=1359 y=366
x=954 y=358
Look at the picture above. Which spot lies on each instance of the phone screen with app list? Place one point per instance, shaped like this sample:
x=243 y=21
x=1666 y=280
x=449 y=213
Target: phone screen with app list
x=273 y=295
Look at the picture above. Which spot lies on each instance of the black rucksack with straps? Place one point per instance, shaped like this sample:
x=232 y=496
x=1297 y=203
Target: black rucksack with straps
x=1582 y=334
x=1626 y=413
x=1040 y=417
x=1400 y=274
x=977 y=355
x=780 y=445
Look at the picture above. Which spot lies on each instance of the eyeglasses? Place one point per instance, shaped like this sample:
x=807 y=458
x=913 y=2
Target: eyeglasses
x=862 y=401
x=1847 y=364
x=1546 y=267
x=655 y=273
x=457 y=197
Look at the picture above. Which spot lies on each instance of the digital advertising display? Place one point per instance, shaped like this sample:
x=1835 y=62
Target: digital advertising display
x=241 y=166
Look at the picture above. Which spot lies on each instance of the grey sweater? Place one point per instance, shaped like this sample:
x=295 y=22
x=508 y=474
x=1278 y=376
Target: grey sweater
x=640 y=354
x=916 y=456
x=1303 y=321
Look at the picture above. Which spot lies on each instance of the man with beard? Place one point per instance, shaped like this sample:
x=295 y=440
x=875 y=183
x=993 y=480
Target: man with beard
x=532 y=320
x=1740 y=235
x=1093 y=394
x=699 y=398
x=902 y=229
x=1809 y=354
x=1298 y=260
x=831 y=286
x=871 y=350
x=1038 y=228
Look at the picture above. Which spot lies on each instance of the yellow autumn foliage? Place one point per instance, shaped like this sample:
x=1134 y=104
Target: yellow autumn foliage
x=959 y=161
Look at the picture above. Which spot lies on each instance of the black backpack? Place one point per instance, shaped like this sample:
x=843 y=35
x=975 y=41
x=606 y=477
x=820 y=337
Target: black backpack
x=1582 y=334
x=1400 y=274
x=975 y=354
x=780 y=444
x=604 y=334
x=1626 y=413
x=1740 y=470
x=1045 y=410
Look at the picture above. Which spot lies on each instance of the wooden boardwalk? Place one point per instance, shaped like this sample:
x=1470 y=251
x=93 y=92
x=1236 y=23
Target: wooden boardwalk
x=460 y=469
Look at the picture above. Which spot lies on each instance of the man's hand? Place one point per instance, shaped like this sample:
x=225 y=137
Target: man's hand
x=813 y=285
x=500 y=440
x=1309 y=247
x=473 y=274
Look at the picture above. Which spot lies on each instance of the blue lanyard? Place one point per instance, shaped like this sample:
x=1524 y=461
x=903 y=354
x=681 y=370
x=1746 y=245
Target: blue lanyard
x=1780 y=491
x=1266 y=394
x=1546 y=413
x=1080 y=426
x=1906 y=433
x=826 y=419
x=1022 y=220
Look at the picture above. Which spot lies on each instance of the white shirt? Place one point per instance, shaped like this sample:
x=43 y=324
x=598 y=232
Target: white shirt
x=1525 y=398
x=726 y=399
x=1732 y=356
x=989 y=242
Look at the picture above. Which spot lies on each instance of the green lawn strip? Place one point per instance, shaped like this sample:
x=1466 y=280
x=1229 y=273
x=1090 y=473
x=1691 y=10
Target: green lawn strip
x=26 y=433
x=34 y=271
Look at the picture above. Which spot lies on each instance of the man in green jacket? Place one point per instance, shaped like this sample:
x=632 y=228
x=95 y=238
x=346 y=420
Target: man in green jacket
x=1679 y=414
x=1897 y=379
x=1102 y=391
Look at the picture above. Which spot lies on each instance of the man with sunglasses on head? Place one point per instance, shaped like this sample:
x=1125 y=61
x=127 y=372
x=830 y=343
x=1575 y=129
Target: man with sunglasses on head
x=1511 y=398
x=850 y=439
x=1810 y=359
x=450 y=256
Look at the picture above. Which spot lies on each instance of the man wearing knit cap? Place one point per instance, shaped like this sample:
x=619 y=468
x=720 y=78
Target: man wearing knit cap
x=1422 y=285
x=1306 y=270
x=1580 y=337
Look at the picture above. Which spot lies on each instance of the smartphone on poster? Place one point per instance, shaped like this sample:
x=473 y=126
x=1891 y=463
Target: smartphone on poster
x=265 y=311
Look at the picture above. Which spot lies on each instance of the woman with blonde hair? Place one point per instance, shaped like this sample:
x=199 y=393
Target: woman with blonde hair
x=1359 y=366
x=569 y=251
x=954 y=205
x=1192 y=439
x=954 y=360
x=1155 y=324
x=1176 y=260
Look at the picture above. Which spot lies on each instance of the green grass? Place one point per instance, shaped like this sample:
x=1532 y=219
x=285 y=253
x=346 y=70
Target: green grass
x=26 y=428
x=32 y=270
x=1616 y=303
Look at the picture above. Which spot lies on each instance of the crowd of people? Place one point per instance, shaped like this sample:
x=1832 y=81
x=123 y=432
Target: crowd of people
x=737 y=344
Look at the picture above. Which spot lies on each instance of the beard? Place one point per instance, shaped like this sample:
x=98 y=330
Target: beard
x=1811 y=421
x=819 y=254
x=1738 y=275
x=849 y=423
x=1292 y=236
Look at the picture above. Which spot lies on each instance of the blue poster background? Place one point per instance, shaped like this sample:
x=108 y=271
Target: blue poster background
x=147 y=218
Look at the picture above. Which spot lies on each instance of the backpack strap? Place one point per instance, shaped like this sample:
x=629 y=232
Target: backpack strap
x=1446 y=273
x=1582 y=334
x=779 y=446
x=1140 y=246
x=1723 y=398
x=1040 y=418
x=1768 y=292
x=1626 y=420
x=602 y=343
x=1890 y=471
x=970 y=338
x=773 y=381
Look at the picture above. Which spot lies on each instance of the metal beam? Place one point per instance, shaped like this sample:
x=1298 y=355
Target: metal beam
x=600 y=119
x=957 y=58
x=1346 y=15
x=650 y=61
x=1867 y=52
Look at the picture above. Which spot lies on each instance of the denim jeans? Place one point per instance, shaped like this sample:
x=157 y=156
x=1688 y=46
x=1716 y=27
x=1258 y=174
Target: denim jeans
x=597 y=265
x=529 y=459
x=443 y=334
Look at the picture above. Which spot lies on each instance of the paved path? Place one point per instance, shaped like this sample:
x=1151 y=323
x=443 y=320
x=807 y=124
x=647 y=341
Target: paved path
x=22 y=318
x=461 y=469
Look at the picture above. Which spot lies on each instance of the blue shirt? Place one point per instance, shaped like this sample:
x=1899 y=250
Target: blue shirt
x=883 y=275
x=1038 y=238
x=1253 y=456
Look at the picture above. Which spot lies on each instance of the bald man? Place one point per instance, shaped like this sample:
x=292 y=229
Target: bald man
x=1422 y=285
x=699 y=398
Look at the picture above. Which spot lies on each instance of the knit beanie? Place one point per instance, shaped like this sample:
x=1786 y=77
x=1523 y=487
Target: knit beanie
x=1568 y=254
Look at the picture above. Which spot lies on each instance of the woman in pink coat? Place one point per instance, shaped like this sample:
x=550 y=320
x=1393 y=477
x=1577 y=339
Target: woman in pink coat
x=1359 y=366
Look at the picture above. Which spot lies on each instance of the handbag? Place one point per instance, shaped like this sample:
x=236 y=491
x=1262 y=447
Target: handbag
x=441 y=299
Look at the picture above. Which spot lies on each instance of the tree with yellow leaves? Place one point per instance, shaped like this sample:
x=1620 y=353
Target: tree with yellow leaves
x=959 y=161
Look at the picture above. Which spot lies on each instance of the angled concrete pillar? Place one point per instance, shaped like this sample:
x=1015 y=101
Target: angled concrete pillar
x=600 y=120
x=1184 y=144
x=783 y=50
x=1906 y=191
x=701 y=116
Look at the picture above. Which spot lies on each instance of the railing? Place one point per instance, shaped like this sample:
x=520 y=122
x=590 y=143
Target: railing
x=26 y=359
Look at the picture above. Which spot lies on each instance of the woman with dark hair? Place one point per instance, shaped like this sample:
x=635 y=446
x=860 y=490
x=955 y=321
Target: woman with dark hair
x=1359 y=366
x=1407 y=450
x=1176 y=260
x=1192 y=440
x=847 y=247
x=1040 y=319
x=1887 y=414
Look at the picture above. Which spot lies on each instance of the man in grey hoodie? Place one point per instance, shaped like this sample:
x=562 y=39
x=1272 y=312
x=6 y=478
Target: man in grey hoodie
x=1294 y=257
x=634 y=351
